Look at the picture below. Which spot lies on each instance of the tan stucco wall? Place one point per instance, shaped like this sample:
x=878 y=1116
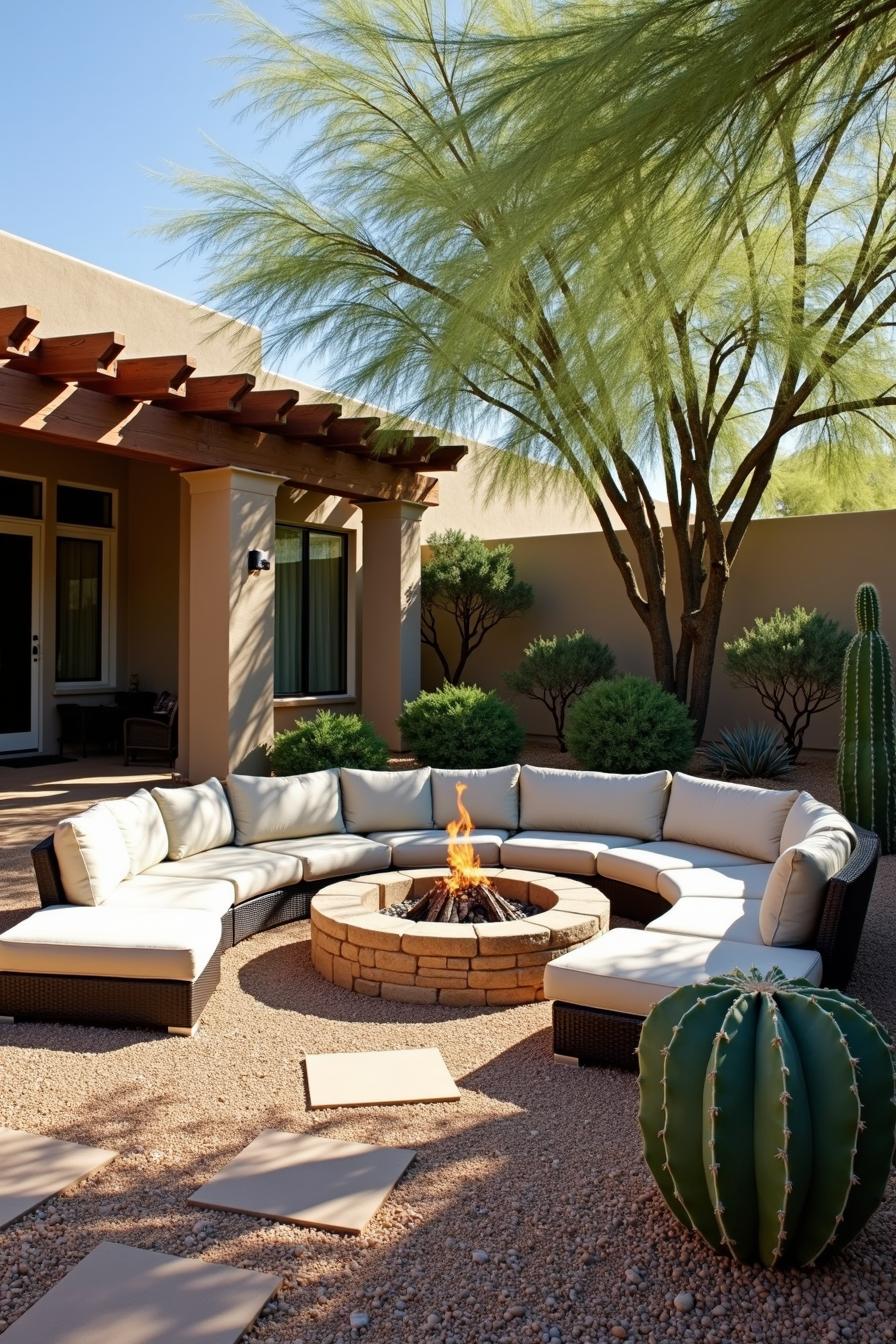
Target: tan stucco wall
x=817 y=561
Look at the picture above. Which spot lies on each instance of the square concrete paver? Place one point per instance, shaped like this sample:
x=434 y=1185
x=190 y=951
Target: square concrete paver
x=301 y=1178
x=122 y=1294
x=34 y=1168
x=378 y=1078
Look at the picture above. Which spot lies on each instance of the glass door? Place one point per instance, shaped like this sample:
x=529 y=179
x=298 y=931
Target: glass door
x=20 y=636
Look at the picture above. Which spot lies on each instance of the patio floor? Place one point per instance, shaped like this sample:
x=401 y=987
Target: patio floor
x=537 y=1165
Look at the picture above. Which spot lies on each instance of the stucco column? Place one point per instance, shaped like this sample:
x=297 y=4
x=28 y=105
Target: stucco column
x=390 y=621
x=227 y=664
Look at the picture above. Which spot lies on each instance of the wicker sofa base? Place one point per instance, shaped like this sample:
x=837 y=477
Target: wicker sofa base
x=172 y=1005
x=595 y=1036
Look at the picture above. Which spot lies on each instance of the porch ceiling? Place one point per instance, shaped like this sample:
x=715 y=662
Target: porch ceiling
x=78 y=390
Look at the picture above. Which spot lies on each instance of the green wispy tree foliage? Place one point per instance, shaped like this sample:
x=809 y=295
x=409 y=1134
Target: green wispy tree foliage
x=652 y=336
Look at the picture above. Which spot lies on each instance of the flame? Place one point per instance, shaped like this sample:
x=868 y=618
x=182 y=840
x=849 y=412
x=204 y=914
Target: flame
x=462 y=858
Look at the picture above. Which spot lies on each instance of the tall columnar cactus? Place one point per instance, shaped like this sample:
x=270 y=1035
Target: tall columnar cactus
x=866 y=766
x=768 y=1114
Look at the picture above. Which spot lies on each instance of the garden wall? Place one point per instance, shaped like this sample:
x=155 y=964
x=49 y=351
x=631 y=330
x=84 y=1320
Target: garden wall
x=816 y=561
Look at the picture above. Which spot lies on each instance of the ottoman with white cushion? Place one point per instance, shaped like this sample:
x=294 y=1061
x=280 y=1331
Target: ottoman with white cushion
x=98 y=963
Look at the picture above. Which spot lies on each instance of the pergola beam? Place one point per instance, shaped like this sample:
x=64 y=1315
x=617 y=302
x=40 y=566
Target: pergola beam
x=69 y=358
x=16 y=325
x=148 y=379
x=313 y=420
x=264 y=409
x=208 y=395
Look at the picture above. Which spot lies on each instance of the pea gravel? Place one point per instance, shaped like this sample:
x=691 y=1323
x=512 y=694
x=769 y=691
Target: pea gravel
x=528 y=1214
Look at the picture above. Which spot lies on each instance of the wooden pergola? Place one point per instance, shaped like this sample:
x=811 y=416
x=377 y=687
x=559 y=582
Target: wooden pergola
x=79 y=391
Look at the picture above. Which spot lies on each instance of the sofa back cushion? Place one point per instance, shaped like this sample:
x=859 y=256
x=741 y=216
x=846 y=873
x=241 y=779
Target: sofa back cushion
x=808 y=817
x=736 y=817
x=142 y=829
x=793 y=895
x=492 y=797
x=196 y=819
x=92 y=856
x=386 y=800
x=287 y=808
x=593 y=803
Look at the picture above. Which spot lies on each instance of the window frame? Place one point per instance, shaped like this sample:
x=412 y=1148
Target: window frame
x=38 y=480
x=304 y=695
x=108 y=539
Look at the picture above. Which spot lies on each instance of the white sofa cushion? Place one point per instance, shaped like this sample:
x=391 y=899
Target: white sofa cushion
x=248 y=871
x=641 y=865
x=807 y=817
x=492 y=797
x=92 y=855
x=728 y=816
x=629 y=970
x=712 y=917
x=172 y=893
x=429 y=849
x=142 y=828
x=793 y=895
x=744 y=881
x=558 y=851
x=285 y=808
x=196 y=818
x=593 y=803
x=386 y=800
x=135 y=944
x=325 y=856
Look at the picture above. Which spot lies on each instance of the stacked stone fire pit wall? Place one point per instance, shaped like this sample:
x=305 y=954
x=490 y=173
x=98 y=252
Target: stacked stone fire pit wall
x=356 y=946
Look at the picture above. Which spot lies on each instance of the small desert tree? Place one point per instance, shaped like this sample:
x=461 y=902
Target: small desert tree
x=472 y=587
x=794 y=662
x=557 y=668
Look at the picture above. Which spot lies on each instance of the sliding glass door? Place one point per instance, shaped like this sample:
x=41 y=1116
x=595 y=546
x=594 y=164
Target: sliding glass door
x=20 y=636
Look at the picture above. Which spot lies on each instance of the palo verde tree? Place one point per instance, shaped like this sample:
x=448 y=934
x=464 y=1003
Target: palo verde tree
x=669 y=341
x=470 y=588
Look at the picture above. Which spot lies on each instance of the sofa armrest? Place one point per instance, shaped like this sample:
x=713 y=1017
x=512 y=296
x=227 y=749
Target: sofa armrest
x=844 y=909
x=46 y=869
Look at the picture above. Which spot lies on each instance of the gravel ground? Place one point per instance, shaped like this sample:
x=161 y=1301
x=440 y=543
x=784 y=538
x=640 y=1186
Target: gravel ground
x=528 y=1214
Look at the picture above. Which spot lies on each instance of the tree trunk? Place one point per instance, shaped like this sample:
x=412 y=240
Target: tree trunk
x=704 y=631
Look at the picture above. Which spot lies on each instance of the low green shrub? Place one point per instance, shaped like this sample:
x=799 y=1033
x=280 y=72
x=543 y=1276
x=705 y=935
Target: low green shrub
x=326 y=741
x=461 y=728
x=629 y=725
x=556 y=669
x=749 y=751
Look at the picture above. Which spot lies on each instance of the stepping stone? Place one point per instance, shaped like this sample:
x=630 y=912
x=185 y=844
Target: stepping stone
x=301 y=1178
x=124 y=1294
x=34 y=1168
x=378 y=1078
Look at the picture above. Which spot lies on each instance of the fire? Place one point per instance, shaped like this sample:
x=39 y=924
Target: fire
x=462 y=858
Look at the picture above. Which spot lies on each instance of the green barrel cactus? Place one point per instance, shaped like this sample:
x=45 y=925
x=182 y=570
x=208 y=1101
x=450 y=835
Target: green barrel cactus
x=866 y=765
x=768 y=1114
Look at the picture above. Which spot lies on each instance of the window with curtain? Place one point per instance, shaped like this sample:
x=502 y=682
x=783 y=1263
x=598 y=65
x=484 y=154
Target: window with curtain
x=79 y=609
x=310 y=612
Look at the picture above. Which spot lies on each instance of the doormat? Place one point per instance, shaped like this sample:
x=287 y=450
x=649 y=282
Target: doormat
x=22 y=762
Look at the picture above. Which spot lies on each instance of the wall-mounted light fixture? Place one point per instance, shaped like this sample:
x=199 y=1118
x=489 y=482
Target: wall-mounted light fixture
x=259 y=561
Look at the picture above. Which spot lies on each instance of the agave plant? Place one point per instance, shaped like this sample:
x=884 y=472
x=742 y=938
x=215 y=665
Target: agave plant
x=750 y=751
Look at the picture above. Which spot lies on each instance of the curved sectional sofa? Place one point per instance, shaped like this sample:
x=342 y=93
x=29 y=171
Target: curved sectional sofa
x=141 y=894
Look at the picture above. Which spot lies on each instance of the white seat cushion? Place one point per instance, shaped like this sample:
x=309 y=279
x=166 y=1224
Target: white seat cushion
x=196 y=818
x=282 y=809
x=735 y=817
x=807 y=817
x=589 y=802
x=712 y=917
x=641 y=865
x=135 y=944
x=386 y=800
x=324 y=856
x=172 y=893
x=248 y=870
x=629 y=970
x=492 y=797
x=92 y=856
x=142 y=829
x=791 y=904
x=429 y=849
x=558 y=851
x=745 y=881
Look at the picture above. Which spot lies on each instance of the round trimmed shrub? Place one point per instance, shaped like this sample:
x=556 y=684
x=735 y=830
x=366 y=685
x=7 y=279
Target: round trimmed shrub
x=328 y=740
x=461 y=728
x=628 y=726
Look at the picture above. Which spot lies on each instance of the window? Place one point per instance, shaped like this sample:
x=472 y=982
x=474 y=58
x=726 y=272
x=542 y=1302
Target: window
x=82 y=507
x=310 y=606
x=79 y=609
x=20 y=498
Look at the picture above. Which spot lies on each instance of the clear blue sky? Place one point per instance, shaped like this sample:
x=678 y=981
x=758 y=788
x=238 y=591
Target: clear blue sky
x=101 y=95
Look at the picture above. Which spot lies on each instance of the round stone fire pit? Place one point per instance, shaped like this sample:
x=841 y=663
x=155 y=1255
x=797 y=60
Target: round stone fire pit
x=355 y=945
